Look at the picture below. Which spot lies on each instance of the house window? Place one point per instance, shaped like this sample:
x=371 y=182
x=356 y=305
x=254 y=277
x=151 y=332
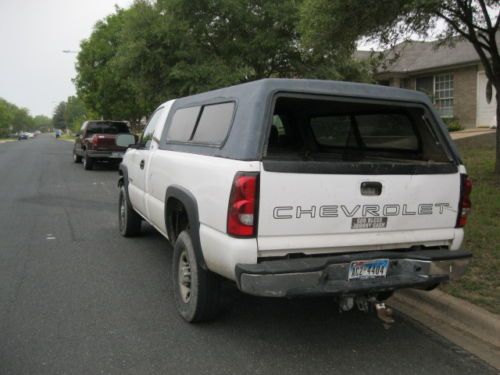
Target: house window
x=426 y=85
x=443 y=94
x=406 y=83
x=439 y=88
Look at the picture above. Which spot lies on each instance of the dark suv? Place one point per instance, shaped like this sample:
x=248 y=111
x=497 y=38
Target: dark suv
x=96 y=142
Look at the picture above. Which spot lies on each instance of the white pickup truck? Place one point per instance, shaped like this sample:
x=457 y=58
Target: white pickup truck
x=299 y=187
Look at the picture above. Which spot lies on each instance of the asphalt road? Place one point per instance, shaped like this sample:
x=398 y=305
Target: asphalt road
x=77 y=298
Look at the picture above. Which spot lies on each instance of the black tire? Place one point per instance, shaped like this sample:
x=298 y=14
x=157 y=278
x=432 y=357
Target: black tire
x=196 y=290
x=129 y=221
x=88 y=162
x=76 y=158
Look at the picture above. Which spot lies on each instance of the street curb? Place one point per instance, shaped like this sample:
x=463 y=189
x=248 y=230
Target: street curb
x=461 y=322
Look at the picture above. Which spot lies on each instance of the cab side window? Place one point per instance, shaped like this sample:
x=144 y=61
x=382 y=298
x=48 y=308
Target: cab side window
x=147 y=134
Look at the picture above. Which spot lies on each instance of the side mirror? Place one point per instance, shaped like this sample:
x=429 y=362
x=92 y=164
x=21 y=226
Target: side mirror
x=125 y=140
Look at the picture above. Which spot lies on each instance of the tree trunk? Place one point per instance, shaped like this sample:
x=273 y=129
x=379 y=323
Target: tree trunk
x=497 y=155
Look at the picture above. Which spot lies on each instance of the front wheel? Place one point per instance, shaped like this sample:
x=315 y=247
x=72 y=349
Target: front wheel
x=196 y=289
x=129 y=221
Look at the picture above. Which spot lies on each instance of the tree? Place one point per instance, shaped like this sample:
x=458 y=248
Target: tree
x=42 y=122
x=6 y=116
x=340 y=24
x=154 y=51
x=21 y=120
x=59 y=119
x=98 y=82
x=14 y=119
x=75 y=113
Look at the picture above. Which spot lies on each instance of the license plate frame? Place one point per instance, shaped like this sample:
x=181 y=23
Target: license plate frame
x=117 y=155
x=368 y=269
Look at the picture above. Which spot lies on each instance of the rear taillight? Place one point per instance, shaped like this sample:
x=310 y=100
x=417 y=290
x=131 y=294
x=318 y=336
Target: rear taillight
x=243 y=204
x=465 y=202
x=94 y=140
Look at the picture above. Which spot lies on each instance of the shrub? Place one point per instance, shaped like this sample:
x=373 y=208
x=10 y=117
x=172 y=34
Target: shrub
x=452 y=124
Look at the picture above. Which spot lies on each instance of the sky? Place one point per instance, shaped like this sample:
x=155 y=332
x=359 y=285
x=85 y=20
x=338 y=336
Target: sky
x=34 y=72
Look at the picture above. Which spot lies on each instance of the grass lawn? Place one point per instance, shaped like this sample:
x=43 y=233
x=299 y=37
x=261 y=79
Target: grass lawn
x=481 y=284
x=3 y=140
x=65 y=137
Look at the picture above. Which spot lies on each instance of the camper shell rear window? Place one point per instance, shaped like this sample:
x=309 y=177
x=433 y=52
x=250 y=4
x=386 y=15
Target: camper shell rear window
x=329 y=129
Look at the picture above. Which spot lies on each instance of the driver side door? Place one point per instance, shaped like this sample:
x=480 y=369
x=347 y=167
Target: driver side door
x=137 y=167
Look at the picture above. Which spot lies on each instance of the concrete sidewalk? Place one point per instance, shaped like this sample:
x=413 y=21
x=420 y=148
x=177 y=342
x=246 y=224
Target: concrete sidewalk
x=471 y=133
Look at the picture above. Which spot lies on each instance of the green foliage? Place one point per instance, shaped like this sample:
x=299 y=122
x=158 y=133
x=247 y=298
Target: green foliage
x=71 y=114
x=154 y=51
x=75 y=113
x=14 y=119
x=6 y=115
x=99 y=82
x=42 y=122
x=452 y=124
x=59 y=120
x=22 y=120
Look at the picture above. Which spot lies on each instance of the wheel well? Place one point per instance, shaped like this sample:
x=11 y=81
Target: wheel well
x=176 y=217
x=120 y=178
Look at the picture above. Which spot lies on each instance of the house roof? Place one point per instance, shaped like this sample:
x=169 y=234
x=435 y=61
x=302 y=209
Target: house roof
x=362 y=55
x=415 y=56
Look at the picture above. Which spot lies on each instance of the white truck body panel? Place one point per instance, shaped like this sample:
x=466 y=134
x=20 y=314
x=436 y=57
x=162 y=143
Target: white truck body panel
x=313 y=213
x=209 y=180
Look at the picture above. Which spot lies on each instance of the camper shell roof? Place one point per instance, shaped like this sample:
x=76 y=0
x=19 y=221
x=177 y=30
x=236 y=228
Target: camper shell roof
x=254 y=104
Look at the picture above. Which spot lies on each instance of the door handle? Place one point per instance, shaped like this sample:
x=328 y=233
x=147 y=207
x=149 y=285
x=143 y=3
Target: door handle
x=371 y=188
x=142 y=164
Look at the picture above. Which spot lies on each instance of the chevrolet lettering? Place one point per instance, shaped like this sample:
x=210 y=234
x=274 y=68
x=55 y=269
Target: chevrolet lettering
x=325 y=211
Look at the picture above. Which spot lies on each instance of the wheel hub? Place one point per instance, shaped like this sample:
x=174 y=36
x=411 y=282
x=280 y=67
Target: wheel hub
x=184 y=277
x=122 y=212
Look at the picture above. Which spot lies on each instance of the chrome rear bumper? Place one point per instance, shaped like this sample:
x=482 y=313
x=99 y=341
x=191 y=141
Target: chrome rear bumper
x=329 y=275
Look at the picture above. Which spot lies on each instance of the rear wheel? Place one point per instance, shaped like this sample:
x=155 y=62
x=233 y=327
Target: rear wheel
x=196 y=290
x=129 y=221
x=88 y=162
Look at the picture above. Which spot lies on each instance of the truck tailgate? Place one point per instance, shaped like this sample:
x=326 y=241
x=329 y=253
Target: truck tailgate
x=336 y=213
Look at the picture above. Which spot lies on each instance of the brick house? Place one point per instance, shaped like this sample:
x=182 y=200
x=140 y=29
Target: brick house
x=452 y=76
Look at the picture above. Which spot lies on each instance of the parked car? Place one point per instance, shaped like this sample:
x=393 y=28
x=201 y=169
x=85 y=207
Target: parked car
x=96 y=142
x=22 y=137
x=299 y=188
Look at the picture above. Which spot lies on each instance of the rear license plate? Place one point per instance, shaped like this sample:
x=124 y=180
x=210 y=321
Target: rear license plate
x=368 y=222
x=117 y=154
x=368 y=269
